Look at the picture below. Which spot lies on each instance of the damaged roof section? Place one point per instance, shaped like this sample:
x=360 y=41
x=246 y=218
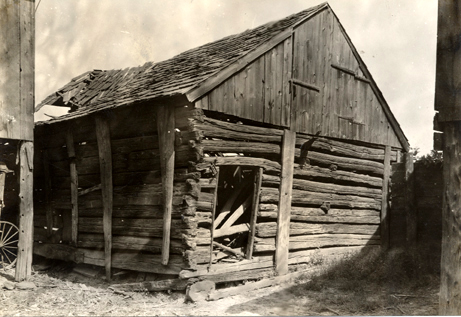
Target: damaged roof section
x=101 y=89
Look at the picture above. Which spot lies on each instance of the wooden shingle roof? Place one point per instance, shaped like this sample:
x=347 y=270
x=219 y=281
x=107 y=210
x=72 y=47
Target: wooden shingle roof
x=102 y=89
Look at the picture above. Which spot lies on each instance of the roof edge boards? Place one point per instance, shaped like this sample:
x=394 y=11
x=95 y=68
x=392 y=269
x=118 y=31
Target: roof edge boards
x=218 y=78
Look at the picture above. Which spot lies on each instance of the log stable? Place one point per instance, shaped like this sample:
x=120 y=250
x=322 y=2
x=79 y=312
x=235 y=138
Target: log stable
x=227 y=177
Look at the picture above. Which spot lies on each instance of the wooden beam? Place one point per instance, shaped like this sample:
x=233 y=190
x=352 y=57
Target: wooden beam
x=26 y=211
x=285 y=192
x=166 y=138
x=213 y=215
x=105 y=165
x=254 y=212
x=385 y=199
x=411 y=211
x=73 y=185
x=47 y=181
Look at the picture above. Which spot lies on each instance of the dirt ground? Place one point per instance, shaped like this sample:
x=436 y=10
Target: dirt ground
x=60 y=291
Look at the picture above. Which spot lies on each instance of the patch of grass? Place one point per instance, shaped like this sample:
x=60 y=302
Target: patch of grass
x=365 y=282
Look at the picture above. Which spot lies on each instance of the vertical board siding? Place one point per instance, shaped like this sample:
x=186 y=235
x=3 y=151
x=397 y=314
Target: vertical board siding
x=345 y=107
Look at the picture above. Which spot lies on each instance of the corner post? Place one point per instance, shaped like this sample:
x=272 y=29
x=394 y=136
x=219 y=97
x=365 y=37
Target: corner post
x=385 y=200
x=284 y=207
x=166 y=137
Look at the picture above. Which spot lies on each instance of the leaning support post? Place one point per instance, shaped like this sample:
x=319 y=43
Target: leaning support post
x=73 y=184
x=26 y=211
x=285 y=192
x=254 y=212
x=105 y=165
x=166 y=138
x=385 y=200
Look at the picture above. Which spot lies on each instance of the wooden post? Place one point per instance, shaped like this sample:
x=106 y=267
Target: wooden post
x=166 y=138
x=73 y=184
x=213 y=216
x=26 y=211
x=254 y=212
x=105 y=165
x=47 y=181
x=448 y=103
x=284 y=207
x=410 y=210
x=385 y=199
x=450 y=277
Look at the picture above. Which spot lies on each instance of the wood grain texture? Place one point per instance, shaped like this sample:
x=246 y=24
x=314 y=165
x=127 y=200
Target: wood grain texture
x=254 y=212
x=105 y=164
x=26 y=211
x=73 y=185
x=285 y=192
x=385 y=200
x=166 y=135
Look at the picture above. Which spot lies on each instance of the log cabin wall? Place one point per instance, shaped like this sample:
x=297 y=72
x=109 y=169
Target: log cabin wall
x=337 y=190
x=137 y=218
x=317 y=68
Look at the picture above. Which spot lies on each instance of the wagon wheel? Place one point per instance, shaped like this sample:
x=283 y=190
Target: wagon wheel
x=9 y=236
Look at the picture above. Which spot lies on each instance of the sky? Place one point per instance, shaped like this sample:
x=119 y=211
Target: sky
x=395 y=38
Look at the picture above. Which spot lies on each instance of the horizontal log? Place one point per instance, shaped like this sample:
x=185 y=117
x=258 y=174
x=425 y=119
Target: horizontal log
x=235 y=127
x=328 y=255
x=268 y=210
x=152 y=286
x=225 y=146
x=268 y=229
x=207 y=183
x=271 y=195
x=135 y=261
x=268 y=165
x=315 y=172
x=133 y=162
x=226 y=292
x=125 y=178
x=271 y=180
x=305 y=214
x=154 y=245
x=255 y=274
x=138 y=227
x=343 y=148
x=226 y=268
x=136 y=211
x=318 y=241
x=226 y=130
x=345 y=163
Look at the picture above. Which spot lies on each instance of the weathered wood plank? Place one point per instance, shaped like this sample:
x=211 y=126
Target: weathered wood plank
x=166 y=135
x=271 y=180
x=142 y=262
x=48 y=193
x=138 y=227
x=271 y=195
x=315 y=172
x=105 y=163
x=26 y=211
x=285 y=198
x=385 y=199
x=151 y=244
x=73 y=185
x=217 y=294
x=254 y=212
x=318 y=241
x=238 y=160
x=268 y=229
